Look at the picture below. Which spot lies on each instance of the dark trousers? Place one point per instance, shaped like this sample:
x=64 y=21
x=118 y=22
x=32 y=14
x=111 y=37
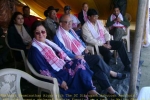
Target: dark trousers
x=115 y=45
x=100 y=68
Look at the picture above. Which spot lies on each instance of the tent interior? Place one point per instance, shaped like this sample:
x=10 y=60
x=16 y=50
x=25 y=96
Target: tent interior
x=104 y=7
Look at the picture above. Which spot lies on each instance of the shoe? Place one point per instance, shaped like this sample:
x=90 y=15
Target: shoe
x=98 y=97
x=115 y=96
x=119 y=76
x=127 y=68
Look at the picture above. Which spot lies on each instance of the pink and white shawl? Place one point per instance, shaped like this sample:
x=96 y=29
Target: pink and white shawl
x=70 y=42
x=116 y=24
x=56 y=62
x=84 y=15
x=99 y=34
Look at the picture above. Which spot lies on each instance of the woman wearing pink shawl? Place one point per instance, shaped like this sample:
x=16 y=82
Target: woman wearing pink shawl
x=74 y=76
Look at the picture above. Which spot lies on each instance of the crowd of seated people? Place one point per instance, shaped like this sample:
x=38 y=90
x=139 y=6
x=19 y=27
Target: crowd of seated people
x=54 y=49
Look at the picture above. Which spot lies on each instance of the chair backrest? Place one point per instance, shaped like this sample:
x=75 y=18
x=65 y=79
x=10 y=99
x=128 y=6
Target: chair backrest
x=10 y=84
x=41 y=76
x=19 y=50
x=128 y=17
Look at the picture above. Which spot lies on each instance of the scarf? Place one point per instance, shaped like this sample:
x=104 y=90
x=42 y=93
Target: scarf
x=84 y=15
x=99 y=35
x=46 y=50
x=116 y=24
x=70 y=42
x=24 y=34
x=75 y=21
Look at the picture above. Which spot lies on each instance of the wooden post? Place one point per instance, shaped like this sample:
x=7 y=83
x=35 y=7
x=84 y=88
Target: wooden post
x=137 y=46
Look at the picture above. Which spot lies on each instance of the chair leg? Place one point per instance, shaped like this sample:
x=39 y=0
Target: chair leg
x=115 y=56
x=128 y=45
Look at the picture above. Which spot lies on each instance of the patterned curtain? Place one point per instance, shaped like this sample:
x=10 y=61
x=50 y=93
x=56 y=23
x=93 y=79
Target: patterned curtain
x=7 y=7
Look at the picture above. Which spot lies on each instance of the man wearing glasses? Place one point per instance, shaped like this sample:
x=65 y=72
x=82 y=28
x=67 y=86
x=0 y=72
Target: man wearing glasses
x=71 y=44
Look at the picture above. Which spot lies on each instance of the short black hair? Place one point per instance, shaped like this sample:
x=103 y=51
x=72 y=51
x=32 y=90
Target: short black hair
x=84 y=4
x=116 y=7
x=91 y=12
x=24 y=7
x=35 y=25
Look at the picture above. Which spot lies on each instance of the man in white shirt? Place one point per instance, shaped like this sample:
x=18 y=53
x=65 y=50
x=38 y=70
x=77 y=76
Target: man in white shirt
x=95 y=33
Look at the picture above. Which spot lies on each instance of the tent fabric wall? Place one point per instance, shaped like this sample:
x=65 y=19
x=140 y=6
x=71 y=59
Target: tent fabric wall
x=103 y=6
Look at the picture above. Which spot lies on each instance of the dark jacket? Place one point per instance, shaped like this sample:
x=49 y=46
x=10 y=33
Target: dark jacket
x=81 y=17
x=14 y=39
x=125 y=22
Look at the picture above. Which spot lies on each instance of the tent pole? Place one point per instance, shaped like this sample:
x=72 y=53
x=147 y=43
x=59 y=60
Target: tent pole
x=137 y=46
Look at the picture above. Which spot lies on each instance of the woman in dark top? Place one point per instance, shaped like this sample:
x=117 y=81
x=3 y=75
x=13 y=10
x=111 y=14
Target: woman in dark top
x=18 y=34
x=82 y=16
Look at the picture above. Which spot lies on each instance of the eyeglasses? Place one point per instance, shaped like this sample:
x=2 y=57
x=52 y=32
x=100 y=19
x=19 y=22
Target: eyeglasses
x=67 y=22
x=95 y=16
x=38 y=33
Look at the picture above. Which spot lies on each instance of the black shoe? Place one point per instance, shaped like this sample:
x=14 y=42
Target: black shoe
x=127 y=68
x=98 y=97
x=119 y=76
x=114 y=96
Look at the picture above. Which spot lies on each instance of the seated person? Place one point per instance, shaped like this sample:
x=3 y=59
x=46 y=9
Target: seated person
x=117 y=24
x=28 y=19
x=19 y=34
x=95 y=33
x=51 y=22
x=76 y=25
x=82 y=16
x=3 y=48
x=70 y=43
x=74 y=76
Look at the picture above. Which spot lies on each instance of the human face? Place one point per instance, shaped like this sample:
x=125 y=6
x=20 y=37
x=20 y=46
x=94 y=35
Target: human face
x=85 y=7
x=52 y=14
x=116 y=11
x=19 y=20
x=40 y=33
x=66 y=23
x=26 y=11
x=93 y=18
x=67 y=11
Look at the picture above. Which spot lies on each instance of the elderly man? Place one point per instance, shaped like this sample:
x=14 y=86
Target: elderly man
x=76 y=25
x=117 y=24
x=51 y=22
x=95 y=33
x=70 y=43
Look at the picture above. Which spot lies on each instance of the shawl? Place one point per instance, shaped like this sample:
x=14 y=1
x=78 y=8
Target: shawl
x=24 y=34
x=70 y=42
x=116 y=24
x=97 y=34
x=56 y=61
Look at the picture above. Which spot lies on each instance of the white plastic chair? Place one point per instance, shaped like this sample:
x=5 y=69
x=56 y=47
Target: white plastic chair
x=10 y=84
x=22 y=54
x=42 y=77
x=144 y=94
x=127 y=38
x=91 y=49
